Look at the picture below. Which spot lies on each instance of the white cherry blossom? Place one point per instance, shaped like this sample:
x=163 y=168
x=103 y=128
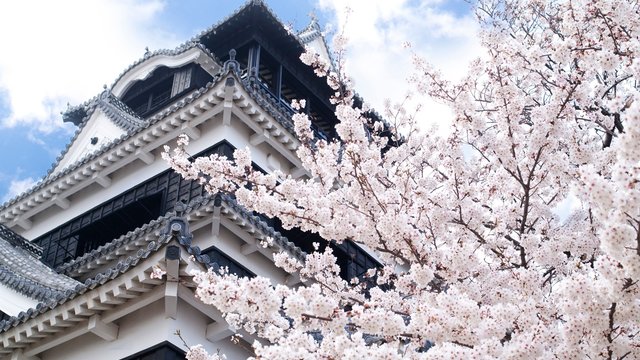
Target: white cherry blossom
x=476 y=262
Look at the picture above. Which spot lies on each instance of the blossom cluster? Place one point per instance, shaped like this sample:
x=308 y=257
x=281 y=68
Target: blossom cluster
x=476 y=261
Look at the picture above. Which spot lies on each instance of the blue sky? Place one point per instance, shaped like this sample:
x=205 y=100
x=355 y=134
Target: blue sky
x=59 y=52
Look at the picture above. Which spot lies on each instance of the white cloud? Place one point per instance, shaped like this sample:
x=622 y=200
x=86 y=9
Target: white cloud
x=62 y=51
x=377 y=60
x=17 y=187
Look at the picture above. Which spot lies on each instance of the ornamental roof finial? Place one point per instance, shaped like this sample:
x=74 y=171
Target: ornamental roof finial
x=232 y=64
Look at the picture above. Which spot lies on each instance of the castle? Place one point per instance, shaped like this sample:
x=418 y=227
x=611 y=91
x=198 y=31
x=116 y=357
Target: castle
x=78 y=251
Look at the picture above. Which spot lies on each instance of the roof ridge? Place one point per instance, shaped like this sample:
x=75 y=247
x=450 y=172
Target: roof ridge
x=17 y=240
x=112 y=245
x=50 y=177
x=181 y=48
x=120 y=113
x=248 y=3
x=194 y=205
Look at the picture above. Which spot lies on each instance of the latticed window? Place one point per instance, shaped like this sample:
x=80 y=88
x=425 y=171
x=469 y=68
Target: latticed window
x=124 y=213
x=224 y=261
x=181 y=81
x=164 y=86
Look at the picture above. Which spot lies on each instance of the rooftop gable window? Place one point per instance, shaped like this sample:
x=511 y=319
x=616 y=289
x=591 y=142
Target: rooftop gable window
x=224 y=261
x=164 y=86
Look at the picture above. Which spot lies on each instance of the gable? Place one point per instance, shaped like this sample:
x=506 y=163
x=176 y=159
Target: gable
x=98 y=131
x=163 y=86
x=312 y=38
x=145 y=67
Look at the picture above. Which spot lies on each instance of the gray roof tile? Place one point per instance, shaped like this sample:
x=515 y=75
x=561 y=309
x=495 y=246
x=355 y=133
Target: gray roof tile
x=26 y=274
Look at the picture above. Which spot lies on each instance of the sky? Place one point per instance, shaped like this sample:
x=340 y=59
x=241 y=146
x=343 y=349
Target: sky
x=55 y=53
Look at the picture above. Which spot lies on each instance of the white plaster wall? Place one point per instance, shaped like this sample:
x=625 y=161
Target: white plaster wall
x=12 y=302
x=230 y=244
x=213 y=131
x=318 y=46
x=100 y=126
x=143 y=329
x=138 y=331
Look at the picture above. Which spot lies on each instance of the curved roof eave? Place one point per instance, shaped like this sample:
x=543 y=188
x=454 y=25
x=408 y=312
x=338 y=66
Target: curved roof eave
x=182 y=55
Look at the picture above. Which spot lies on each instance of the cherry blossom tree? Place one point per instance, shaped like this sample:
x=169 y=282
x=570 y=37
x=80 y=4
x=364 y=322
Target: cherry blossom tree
x=477 y=260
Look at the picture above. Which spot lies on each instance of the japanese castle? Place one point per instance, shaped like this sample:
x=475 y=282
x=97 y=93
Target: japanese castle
x=77 y=251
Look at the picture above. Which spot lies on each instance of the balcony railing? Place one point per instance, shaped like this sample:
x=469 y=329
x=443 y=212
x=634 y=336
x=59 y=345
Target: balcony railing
x=279 y=108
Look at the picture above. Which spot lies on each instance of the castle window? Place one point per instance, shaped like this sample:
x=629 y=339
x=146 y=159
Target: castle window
x=162 y=351
x=100 y=225
x=224 y=261
x=164 y=86
x=124 y=213
x=181 y=81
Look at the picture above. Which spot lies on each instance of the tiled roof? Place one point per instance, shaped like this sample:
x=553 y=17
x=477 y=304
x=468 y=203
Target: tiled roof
x=18 y=241
x=248 y=4
x=62 y=297
x=311 y=32
x=67 y=288
x=120 y=113
x=135 y=240
x=23 y=272
x=52 y=177
x=167 y=52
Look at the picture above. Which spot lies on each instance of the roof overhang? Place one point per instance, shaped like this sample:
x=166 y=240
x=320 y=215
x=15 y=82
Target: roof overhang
x=226 y=95
x=142 y=69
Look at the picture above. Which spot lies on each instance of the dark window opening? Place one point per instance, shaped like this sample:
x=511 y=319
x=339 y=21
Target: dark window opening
x=223 y=260
x=118 y=223
x=124 y=213
x=281 y=86
x=101 y=225
x=159 y=195
x=163 y=87
x=4 y=316
x=353 y=260
x=162 y=351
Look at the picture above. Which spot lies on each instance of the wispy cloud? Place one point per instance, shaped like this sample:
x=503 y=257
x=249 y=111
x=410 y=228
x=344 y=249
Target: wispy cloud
x=62 y=51
x=17 y=187
x=380 y=64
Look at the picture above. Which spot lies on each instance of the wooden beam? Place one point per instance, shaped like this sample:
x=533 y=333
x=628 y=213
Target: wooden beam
x=247 y=249
x=146 y=156
x=19 y=355
x=298 y=172
x=24 y=223
x=173 y=269
x=103 y=180
x=217 y=331
x=56 y=340
x=228 y=100
x=189 y=297
x=192 y=131
x=106 y=331
x=258 y=138
x=171 y=300
x=215 y=222
x=279 y=81
x=135 y=305
x=292 y=279
x=63 y=203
